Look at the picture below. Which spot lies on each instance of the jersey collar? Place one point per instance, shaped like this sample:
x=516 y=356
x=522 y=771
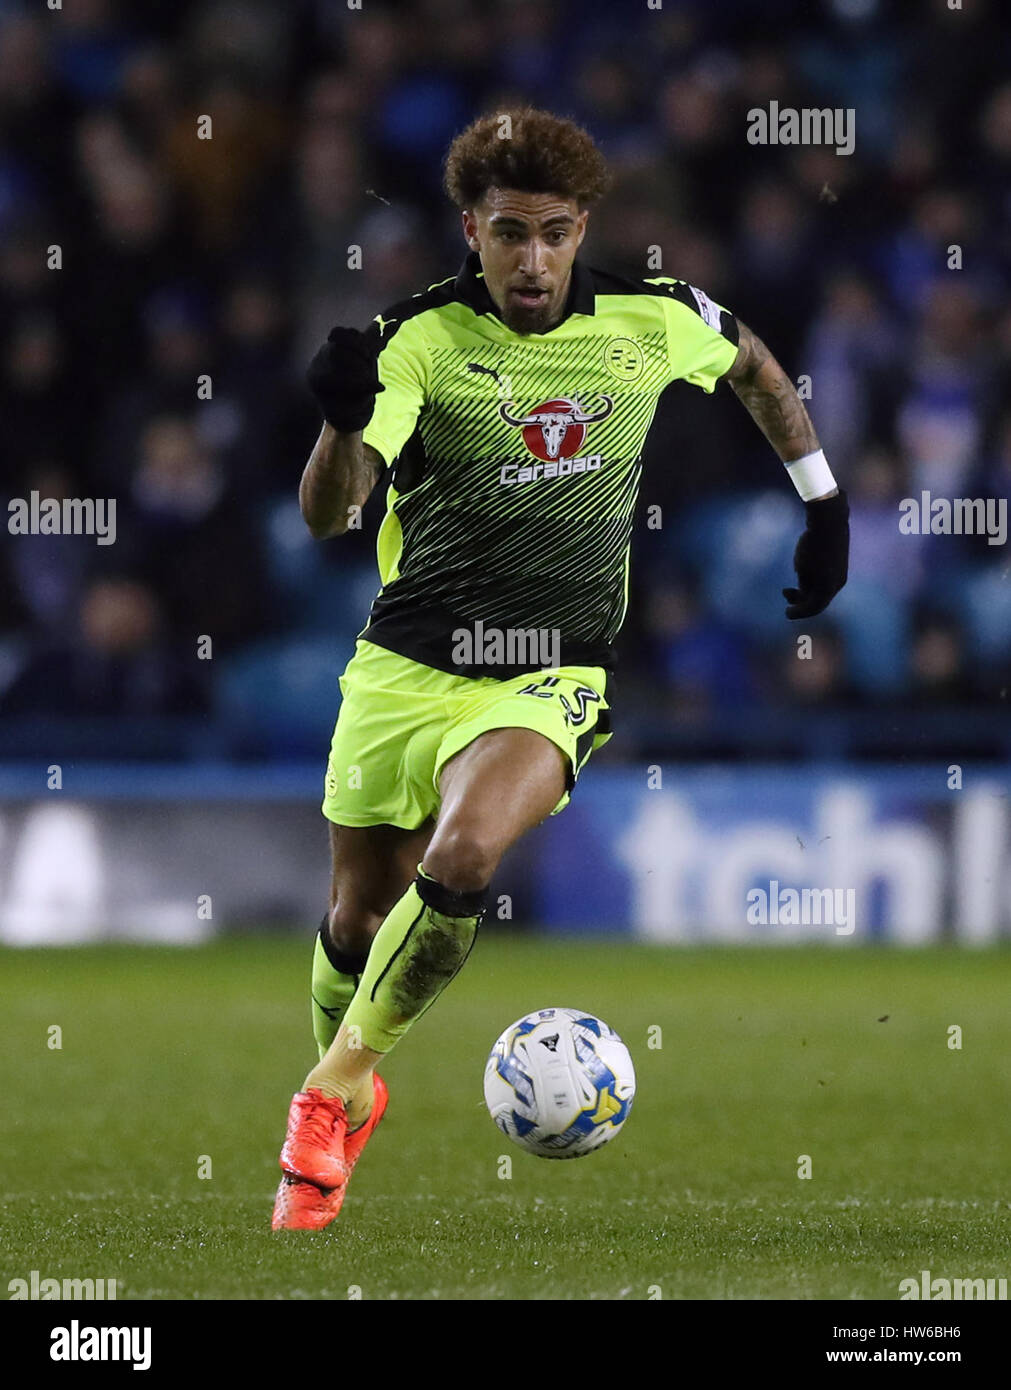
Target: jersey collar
x=472 y=290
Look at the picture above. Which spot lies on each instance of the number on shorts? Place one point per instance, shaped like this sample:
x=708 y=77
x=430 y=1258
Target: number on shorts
x=542 y=689
x=584 y=695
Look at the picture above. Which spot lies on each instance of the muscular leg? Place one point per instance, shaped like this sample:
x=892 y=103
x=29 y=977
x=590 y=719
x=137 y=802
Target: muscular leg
x=494 y=790
x=370 y=869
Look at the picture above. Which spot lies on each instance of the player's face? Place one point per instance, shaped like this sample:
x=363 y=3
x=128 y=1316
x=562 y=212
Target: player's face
x=527 y=243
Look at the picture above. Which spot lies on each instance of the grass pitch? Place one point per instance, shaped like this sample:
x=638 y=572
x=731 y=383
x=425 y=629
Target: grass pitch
x=173 y=1057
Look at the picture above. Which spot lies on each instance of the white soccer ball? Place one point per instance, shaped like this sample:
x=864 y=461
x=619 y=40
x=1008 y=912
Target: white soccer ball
x=560 y=1083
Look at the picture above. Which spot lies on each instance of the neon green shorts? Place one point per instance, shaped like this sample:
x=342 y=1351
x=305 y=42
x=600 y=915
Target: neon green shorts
x=400 y=722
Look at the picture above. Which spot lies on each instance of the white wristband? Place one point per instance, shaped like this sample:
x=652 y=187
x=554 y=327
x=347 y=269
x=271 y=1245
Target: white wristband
x=811 y=476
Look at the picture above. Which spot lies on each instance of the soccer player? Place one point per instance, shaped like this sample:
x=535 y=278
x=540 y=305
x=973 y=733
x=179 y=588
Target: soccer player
x=511 y=401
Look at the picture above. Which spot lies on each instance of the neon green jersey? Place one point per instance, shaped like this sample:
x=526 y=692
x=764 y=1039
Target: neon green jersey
x=516 y=459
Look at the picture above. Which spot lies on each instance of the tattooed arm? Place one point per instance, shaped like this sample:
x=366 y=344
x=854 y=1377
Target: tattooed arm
x=770 y=398
x=821 y=557
x=340 y=474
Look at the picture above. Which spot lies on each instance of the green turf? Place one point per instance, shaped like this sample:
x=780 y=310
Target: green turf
x=766 y=1055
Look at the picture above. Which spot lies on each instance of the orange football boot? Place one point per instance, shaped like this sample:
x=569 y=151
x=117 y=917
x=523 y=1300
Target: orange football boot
x=304 y=1206
x=314 y=1145
x=358 y=1138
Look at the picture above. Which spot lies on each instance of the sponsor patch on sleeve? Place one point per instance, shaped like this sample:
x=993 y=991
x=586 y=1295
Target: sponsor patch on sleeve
x=709 y=311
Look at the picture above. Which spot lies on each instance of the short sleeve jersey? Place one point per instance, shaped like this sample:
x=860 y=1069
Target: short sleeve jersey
x=517 y=457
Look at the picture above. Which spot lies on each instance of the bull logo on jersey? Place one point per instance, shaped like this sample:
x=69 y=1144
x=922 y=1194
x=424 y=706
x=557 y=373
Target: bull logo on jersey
x=556 y=429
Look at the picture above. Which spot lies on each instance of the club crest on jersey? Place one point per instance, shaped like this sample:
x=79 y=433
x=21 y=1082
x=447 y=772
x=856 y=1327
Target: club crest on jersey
x=555 y=429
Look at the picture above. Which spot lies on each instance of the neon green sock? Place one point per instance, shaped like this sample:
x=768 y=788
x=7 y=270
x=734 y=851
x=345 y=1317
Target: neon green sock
x=421 y=945
x=332 y=990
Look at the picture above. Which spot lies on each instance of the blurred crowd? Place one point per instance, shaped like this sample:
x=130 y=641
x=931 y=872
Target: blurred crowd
x=228 y=259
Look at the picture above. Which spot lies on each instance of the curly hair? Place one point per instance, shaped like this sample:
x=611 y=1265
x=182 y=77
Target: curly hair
x=539 y=153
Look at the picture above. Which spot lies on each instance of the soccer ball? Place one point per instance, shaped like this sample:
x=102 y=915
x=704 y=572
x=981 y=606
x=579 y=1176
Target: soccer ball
x=560 y=1083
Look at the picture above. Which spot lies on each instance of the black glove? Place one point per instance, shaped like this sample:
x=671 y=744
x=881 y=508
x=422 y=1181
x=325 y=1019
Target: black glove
x=344 y=378
x=821 y=557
